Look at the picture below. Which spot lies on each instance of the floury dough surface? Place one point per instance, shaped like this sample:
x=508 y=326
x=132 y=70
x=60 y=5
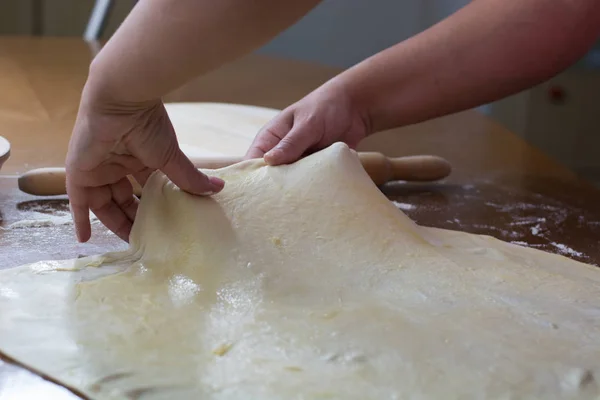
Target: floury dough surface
x=58 y=218
x=305 y=282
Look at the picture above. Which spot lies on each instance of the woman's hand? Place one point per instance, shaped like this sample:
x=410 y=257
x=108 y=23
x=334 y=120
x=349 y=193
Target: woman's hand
x=323 y=117
x=110 y=142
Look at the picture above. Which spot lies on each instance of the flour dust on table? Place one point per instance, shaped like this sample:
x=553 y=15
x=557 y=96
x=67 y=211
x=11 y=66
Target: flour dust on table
x=526 y=217
x=304 y=281
x=58 y=218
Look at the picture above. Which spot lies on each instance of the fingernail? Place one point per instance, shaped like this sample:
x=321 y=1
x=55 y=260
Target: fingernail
x=272 y=155
x=216 y=183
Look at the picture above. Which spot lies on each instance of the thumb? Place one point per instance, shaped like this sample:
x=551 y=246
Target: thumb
x=292 y=146
x=182 y=172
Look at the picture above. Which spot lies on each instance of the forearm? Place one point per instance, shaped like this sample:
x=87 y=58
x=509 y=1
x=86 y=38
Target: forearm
x=487 y=50
x=164 y=43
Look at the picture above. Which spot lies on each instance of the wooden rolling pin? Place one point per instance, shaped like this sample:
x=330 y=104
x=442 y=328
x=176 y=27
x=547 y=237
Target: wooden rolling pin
x=381 y=169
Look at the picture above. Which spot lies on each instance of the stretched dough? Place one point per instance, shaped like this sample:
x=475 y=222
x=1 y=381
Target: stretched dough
x=305 y=282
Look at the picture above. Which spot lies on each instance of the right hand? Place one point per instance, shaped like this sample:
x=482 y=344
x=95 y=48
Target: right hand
x=323 y=117
x=110 y=142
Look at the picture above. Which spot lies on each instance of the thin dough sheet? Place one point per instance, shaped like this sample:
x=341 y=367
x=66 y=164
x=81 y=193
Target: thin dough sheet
x=304 y=282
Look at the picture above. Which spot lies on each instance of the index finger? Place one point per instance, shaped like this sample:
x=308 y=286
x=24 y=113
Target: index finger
x=80 y=212
x=270 y=135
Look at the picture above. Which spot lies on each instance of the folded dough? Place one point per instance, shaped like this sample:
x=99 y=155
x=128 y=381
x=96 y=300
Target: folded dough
x=304 y=282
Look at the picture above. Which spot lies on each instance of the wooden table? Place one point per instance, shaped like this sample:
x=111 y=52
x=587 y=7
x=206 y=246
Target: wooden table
x=500 y=186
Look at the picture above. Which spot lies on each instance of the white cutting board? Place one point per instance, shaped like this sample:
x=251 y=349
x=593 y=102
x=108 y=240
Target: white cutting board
x=217 y=129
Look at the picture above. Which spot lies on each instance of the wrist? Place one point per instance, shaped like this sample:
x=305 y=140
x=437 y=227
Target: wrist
x=345 y=90
x=100 y=92
x=368 y=90
x=99 y=97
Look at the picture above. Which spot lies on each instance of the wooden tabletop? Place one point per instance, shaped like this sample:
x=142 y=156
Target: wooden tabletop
x=500 y=185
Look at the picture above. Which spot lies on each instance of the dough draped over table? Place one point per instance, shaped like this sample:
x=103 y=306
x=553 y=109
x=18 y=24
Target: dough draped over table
x=304 y=282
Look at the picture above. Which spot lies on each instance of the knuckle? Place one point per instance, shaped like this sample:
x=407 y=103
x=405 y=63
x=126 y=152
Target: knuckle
x=127 y=202
x=98 y=199
x=167 y=155
x=280 y=125
x=287 y=143
x=274 y=131
x=311 y=119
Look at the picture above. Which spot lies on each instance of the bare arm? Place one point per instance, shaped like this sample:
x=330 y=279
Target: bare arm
x=485 y=51
x=122 y=128
x=164 y=43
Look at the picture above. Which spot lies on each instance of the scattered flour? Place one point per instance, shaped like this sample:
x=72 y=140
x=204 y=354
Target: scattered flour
x=58 y=218
x=519 y=243
x=522 y=206
x=535 y=230
x=566 y=250
x=503 y=232
x=527 y=221
x=404 y=206
x=525 y=244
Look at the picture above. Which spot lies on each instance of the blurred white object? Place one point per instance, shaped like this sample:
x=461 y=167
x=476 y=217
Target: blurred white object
x=4 y=150
x=97 y=21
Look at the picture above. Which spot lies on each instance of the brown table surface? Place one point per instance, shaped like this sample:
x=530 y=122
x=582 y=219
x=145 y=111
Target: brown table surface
x=500 y=185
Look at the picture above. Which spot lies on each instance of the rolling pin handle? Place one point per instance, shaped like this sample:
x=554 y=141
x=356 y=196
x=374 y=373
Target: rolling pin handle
x=377 y=167
x=419 y=168
x=43 y=182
